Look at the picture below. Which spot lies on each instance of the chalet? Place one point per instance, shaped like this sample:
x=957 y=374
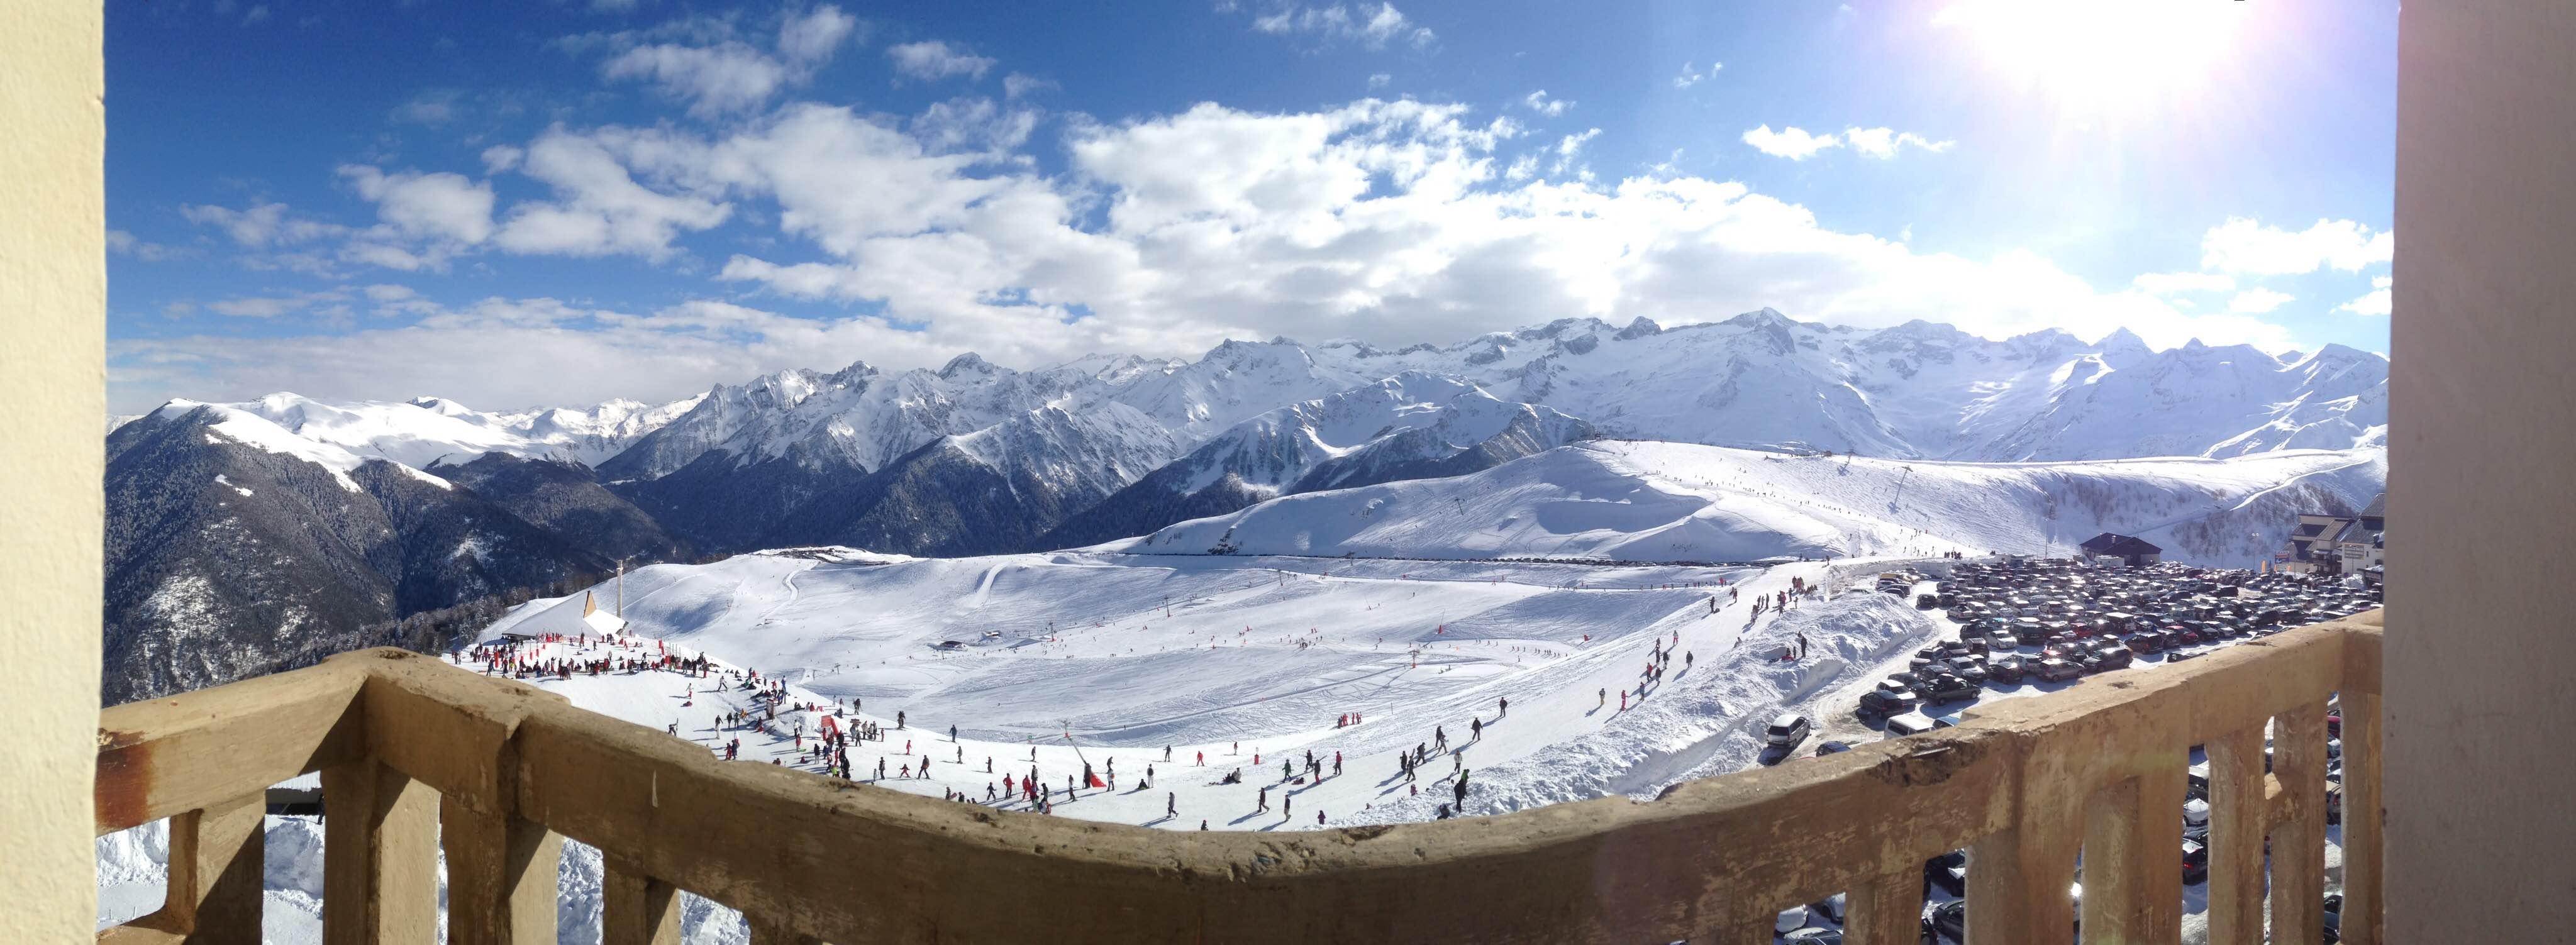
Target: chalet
x=2133 y=552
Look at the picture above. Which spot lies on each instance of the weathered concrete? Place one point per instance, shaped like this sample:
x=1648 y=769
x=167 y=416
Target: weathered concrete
x=2477 y=689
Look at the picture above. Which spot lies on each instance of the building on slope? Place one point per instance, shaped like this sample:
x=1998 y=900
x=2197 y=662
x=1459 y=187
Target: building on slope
x=2134 y=552
x=2339 y=543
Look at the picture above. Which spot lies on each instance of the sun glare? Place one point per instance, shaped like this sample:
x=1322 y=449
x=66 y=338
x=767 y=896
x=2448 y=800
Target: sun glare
x=2101 y=55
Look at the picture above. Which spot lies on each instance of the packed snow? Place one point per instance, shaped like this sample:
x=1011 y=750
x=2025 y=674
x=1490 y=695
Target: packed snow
x=1645 y=501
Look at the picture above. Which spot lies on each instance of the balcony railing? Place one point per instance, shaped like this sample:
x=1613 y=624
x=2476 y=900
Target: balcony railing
x=417 y=756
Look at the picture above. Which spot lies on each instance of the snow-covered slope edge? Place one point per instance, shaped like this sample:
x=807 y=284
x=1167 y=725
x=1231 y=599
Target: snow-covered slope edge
x=1645 y=501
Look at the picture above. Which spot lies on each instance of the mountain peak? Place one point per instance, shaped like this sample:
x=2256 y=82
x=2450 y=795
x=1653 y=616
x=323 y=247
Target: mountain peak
x=1639 y=328
x=1764 y=317
x=968 y=363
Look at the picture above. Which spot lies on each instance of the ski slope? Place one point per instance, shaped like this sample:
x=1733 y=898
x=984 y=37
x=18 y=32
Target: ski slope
x=1651 y=501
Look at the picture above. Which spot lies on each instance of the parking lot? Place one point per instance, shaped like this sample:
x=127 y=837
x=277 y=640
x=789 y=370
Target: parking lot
x=2021 y=626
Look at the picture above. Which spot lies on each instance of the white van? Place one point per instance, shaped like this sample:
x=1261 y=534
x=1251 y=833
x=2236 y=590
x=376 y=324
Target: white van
x=1909 y=723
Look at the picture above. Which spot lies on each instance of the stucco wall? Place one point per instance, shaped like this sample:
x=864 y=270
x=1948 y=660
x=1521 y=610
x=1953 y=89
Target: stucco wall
x=53 y=320
x=2481 y=657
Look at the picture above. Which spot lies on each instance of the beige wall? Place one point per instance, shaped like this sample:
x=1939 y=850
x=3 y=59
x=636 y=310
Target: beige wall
x=2481 y=659
x=53 y=320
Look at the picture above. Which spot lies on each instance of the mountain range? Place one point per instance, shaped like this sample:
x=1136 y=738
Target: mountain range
x=236 y=526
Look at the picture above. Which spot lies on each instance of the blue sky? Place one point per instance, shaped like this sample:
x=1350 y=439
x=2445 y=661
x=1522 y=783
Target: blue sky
x=561 y=202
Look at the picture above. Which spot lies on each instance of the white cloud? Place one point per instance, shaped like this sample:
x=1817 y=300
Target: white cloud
x=2168 y=283
x=2380 y=301
x=1883 y=143
x=272 y=306
x=2258 y=300
x=1370 y=26
x=1540 y=103
x=2246 y=246
x=932 y=60
x=434 y=107
x=426 y=206
x=716 y=73
x=599 y=209
x=1391 y=221
x=126 y=244
x=815 y=34
x=1017 y=85
x=712 y=79
x=1379 y=80
x=1789 y=142
x=1693 y=76
x=259 y=225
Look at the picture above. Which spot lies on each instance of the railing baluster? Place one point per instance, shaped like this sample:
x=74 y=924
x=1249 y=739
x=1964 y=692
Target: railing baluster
x=2133 y=856
x=2018 y=880
x=2298 y=844
x=2361 y=826
x=2236 y=836
x=379 y=855
x=1887 y=910
x=500 y=877
x=215 y=872
x=636 y=908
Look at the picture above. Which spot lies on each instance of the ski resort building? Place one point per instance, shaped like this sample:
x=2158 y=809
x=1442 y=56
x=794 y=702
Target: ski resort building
x=2453 y=798
x=2134 y=552
x=2325 y=543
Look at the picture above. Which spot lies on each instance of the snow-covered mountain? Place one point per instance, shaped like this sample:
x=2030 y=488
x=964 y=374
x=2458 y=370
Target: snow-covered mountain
x=1410 y=426
x=1917 y=390
x=1644 y=501
x=235 y=546
x=995 y=489
x=426 y=430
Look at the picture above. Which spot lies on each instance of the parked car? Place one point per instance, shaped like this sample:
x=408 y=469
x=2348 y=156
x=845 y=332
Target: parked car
x=1786 y=731
x=2195 y=862
x=2006 y=669
x=2056 y=670
x=1946 y=688
x=1880 y=703
x=1947 y=922
x=2116 y=658
x=1813 y=935
x=1832 y=748
x=1910 y=723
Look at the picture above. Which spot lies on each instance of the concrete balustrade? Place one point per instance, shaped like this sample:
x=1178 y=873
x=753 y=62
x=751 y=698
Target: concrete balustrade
x=418 y=756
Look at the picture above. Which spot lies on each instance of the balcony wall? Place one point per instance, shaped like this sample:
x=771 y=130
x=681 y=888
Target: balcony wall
x=53 y=379
x=417 y=756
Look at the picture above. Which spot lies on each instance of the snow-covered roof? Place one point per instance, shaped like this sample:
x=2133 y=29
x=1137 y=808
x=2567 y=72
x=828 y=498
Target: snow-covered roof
x=602 y=622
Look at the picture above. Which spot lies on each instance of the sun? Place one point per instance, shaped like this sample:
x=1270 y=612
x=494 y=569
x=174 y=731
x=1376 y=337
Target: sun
x=2102 y=55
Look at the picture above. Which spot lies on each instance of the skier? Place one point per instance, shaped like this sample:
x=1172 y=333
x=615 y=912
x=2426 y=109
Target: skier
x=1605 y=697
x=898 y=723
x=1171 y=804
x=1263 y=800
x=1475 y=730
x=1461 y=789
x=952 y=733
x=1686 y=659
x=1507 y=708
